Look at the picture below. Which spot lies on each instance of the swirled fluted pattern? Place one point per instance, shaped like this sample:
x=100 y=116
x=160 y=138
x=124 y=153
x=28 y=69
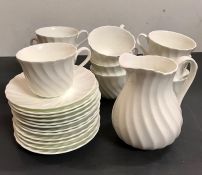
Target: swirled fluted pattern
x=19 y=94
x=146 y=114
x=50 y=79
x=110 y=87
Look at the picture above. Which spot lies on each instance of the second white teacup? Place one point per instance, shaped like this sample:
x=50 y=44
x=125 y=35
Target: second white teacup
x=168 y=44
x=49 y=67
x=107 y=43
x=59 y=34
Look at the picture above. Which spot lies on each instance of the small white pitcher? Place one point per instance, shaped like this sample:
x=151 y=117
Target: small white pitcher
x=147 y=112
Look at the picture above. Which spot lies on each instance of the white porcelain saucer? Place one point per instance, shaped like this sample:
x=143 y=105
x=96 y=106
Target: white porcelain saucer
x=55 y=125
x=67 y=127
x=46 y=117
x=59 y=150
x=57 y=121
x=58 y=144
x=59 y=136
x=19 y=94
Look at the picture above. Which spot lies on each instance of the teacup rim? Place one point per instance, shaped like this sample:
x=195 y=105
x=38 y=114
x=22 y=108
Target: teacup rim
x=106 y=26
x=105 y=66
x=19 y=58
x=173 y=48
x=37 y=31
x=106 y=75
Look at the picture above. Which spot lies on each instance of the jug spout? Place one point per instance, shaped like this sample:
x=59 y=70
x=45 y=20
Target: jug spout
x=182 y=82
x=148 y=63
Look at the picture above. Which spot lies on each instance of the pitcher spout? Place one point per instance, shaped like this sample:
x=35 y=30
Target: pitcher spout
x=151 y=63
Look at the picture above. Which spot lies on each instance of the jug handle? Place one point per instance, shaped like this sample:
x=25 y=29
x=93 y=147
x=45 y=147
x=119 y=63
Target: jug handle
x=182 y=64
x=145 y=37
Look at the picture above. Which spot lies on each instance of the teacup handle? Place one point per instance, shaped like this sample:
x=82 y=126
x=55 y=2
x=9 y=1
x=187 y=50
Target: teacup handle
x=182 y=64
x=34 y=40
x=79 y=34
x=145 y=37
x=134 y=50
x=122 y=26
x=87 y=59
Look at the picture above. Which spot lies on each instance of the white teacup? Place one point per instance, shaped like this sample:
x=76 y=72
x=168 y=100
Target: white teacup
x=168 y=44
x=107 y=70
x=59 y=34
x=49 y=67
x=108 y=43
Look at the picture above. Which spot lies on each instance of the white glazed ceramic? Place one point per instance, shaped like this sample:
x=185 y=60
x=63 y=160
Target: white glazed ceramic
x=169 y=44
x=110 y=86
x=49 y=67
x=60 y=120
x=55 y=125
x=66 y=127
x=107 y=70
x=62 y=150
x=108 y=43
x=50 y=151
x=65 y=115
x=59 y=143
x=147 y=113
x=51 y=138
x=18 y=92
x=59 y=34
x=54 y=136
x=58 y=124
x=72 y=108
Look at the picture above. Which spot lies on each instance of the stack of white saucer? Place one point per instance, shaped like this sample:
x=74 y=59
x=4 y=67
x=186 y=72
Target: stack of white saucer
x=55 y=125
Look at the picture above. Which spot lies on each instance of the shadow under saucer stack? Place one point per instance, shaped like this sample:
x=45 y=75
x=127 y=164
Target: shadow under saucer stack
x=55 y=125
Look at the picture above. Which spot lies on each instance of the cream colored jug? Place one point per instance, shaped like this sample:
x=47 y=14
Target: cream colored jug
x=147 y=112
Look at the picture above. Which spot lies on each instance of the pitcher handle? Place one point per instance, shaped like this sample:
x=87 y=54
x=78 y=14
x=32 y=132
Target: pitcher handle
x=87 y=59
x=34 y=40
x=85 y=39
x=145 y=37
x=182 y=64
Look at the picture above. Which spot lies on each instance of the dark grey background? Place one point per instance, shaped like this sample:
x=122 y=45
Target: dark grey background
x=106 y=154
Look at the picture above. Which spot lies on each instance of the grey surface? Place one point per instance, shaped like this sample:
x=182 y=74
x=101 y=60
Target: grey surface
x=106 y=154
x=20 y=18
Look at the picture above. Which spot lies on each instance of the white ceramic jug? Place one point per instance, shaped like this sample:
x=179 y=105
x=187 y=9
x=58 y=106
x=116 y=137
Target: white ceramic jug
x=147 y=112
